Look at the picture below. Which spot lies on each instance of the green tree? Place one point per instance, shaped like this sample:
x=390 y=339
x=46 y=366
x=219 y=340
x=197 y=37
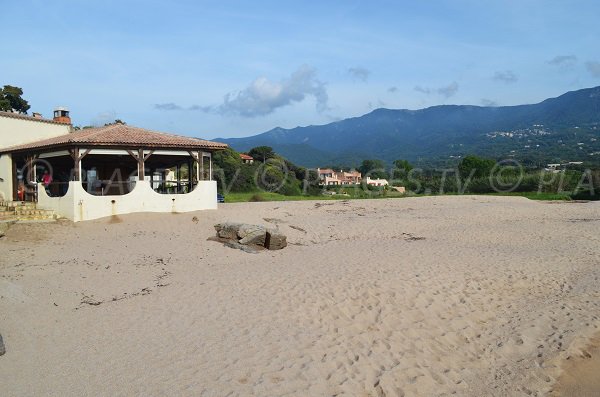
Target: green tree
x=262 y=153
x=401 y=169
x=373 y=168
x=403 y=165
x=11 y=101
x=117 y=121
x=229 y=172
x=272 y=175
x=475 y=167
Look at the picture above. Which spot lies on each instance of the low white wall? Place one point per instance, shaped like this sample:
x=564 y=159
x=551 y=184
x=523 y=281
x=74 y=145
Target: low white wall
x=78 y=205
x=6 y=177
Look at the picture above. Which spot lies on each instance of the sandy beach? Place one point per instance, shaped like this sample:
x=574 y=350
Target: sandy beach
x=432 y=296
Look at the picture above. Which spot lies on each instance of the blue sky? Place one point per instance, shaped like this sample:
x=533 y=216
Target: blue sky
x=231 y=68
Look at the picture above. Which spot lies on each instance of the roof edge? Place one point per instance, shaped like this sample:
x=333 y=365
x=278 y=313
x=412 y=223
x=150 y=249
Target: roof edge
x=26 y=117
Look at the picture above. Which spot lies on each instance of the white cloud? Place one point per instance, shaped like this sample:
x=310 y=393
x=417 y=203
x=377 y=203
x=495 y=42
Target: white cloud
x=359 y=73
x=263 y=96
x=167 y=106
x=424 y=90
x=593 y=68
x=561 y=60
x=201 y=108
x=170 y=106
x=445 y=91
x=449 y=90
x=507 y=76
x=103 y=118
x=488 y=102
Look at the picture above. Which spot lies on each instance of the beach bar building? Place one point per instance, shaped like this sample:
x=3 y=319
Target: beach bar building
x=111 y=170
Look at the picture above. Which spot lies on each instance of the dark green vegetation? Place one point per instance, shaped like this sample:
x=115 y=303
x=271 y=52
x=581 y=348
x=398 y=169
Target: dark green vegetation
x=566 y=128
x=276 y=179
x=476 y=175
x=275 y=174
x=11 y=101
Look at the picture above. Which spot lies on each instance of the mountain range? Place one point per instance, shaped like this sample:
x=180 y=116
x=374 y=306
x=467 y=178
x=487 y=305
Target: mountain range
x=565 y=128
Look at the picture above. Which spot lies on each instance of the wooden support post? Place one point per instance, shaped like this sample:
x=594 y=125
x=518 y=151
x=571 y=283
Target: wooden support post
x=209 y=166
x=150 y=153
x=141 y=164
x=197 y=160
x=32 y=175
x=77 y=157
x=140 y=158
x=144 y=158
x=14 y=179
x=202 y=165
x=190 y=175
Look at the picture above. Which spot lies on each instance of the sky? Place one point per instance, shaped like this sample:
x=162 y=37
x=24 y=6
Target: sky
x=237 y=68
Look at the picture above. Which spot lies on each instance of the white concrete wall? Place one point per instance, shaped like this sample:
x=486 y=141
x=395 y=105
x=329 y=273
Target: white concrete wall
x=6 y=178
x=19 y=131
x=78 y=205
x=377 y=182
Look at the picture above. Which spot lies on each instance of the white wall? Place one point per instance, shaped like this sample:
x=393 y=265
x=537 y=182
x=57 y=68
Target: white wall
x=78 y=205
x=6 y=178
x=17 y=131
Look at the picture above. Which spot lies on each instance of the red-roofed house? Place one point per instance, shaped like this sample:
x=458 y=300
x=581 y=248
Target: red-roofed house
x=110 y=170
x=246 y=159
x=329 y=177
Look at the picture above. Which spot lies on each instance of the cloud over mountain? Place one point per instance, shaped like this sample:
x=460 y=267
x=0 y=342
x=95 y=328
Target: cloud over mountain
x=488 y=102
x=593 y=68
x=359 y=73
x=449 y=90
x=263 y=96
x=445 y=91
x=506 y=76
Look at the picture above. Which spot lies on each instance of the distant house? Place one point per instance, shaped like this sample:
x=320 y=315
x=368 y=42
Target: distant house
x=556 y=167
x=329 y=177
x=246 y=159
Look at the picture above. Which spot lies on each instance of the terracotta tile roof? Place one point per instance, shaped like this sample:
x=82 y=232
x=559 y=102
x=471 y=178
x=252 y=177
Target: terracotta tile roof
x=246 y=157
x=30 y=118
x=119 y=135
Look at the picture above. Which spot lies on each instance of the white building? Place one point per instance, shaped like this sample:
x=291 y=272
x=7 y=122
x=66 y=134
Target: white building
x=377 y=182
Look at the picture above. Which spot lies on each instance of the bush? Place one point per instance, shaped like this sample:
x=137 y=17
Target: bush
x=479 y=167
x=256 y=197
x=290 y=188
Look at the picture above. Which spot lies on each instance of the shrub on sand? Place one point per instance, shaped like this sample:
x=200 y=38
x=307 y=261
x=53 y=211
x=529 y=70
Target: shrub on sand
x=257 y=197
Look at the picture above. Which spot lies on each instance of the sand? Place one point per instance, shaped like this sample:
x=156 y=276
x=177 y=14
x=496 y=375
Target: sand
x=436 y=296
x=581 y=374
